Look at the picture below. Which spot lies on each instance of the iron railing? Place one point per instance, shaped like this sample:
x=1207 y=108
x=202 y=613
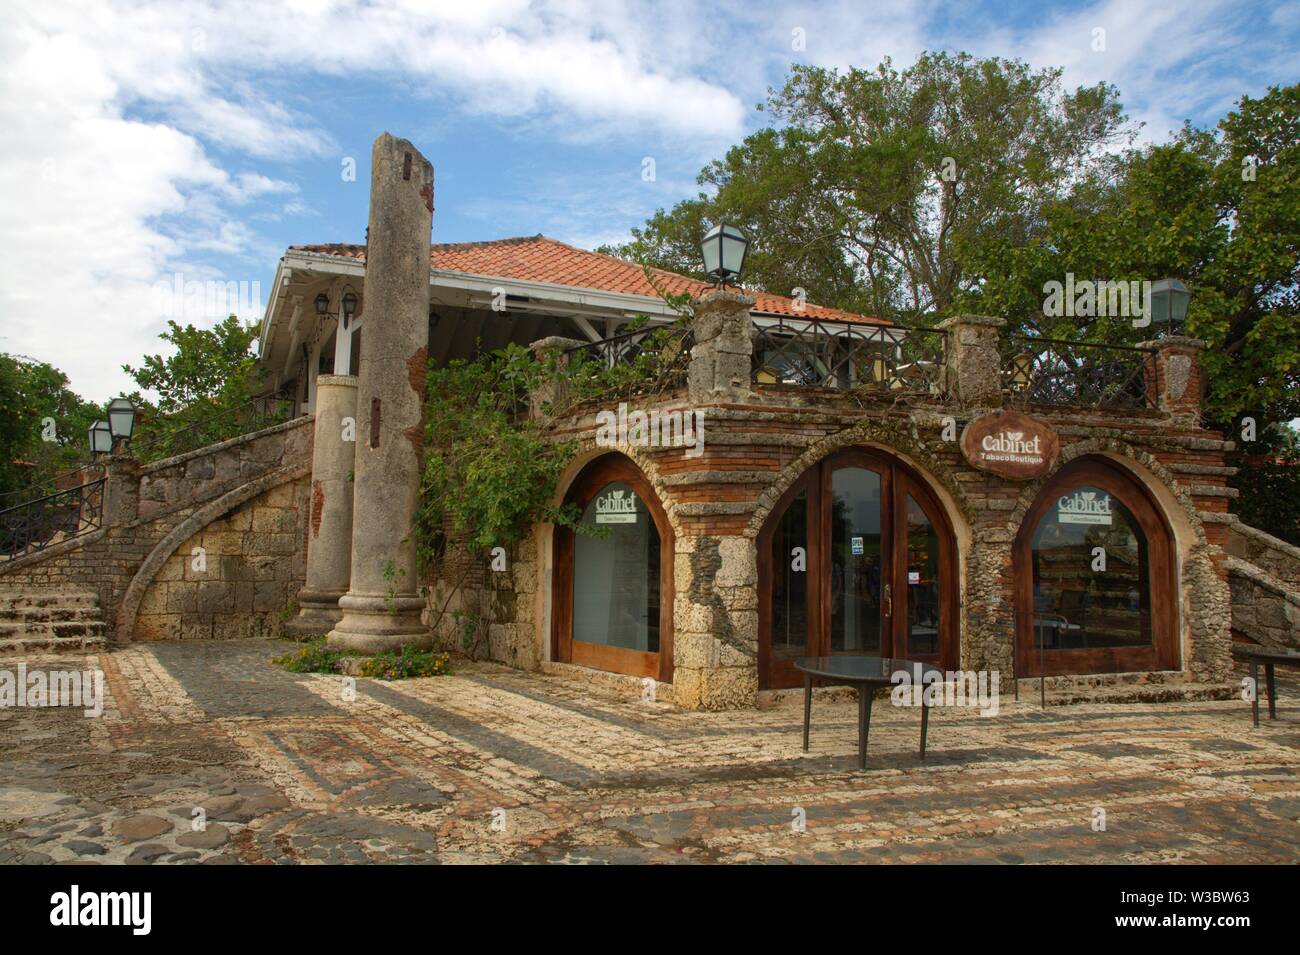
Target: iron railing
x=188 y=430
x=1048 y=371
x=651 y=360
x=37 y=524
x=889 y=359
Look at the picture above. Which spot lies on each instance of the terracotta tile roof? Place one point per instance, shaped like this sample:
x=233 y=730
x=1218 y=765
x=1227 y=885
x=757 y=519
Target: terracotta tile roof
x=537 y=258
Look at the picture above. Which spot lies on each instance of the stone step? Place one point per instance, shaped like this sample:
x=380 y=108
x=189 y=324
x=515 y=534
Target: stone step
x=31 y=615
x=24 y=599
x=53 y=630
x=26 y=646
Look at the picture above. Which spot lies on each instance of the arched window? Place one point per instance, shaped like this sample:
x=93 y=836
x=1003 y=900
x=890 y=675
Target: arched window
x=613 y=579
x=1094 y=572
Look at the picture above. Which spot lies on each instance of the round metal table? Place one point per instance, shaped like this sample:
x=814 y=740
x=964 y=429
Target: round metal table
x=1270 y=658
x=867 y=674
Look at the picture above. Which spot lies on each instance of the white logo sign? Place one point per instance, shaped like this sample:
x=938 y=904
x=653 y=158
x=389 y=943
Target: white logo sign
x=1084 y=507
x=1012 y=446
x=616 y=507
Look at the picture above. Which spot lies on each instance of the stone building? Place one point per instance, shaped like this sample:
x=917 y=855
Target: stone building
x=831 y=483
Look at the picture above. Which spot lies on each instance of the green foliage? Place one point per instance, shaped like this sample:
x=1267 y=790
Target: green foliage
x=406 y=663
x=488 y=473
x=1183 y=209
x=849 y=200
x=312 y=657
x=1270 y=496
x=31 y=392
x=204 y=388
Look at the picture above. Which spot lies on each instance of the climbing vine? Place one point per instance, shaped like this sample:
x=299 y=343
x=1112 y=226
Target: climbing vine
x=490 y=467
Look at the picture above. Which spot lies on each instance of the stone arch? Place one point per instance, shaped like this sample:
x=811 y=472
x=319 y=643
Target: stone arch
x=905 y=444
x=1176 y=504
x=1203 y=632
x=589 y=451
x=212 y=511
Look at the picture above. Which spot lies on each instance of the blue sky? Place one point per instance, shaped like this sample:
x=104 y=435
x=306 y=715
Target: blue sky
x=150 y=139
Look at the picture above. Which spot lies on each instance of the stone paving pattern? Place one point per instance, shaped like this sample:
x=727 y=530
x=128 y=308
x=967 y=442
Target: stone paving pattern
x=496 y=765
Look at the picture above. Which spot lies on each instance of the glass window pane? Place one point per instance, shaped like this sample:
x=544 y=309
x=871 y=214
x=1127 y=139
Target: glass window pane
x=922 y=582
x=790 y=581
x=855 y=561
x=1091 y=578
x=616 y=574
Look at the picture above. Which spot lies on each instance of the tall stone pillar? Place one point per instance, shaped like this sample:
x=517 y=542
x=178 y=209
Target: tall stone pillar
x=381 y=610
x=722 y=358
x=973 y=360
x=329 y=533
x=1173 y=377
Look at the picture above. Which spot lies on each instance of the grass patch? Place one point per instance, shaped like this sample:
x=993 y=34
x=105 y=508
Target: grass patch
x=313 y=656
x=405 y=663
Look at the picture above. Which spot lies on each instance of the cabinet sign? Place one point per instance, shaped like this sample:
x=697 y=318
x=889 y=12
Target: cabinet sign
x=1011 y=445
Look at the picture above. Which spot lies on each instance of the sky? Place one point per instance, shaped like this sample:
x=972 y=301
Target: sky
x=151 y=144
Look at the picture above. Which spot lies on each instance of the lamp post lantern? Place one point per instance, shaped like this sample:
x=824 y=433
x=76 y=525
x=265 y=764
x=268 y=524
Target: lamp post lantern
x=121 y=421
x=101 y=438
x=724 y=248
x=1169 y=298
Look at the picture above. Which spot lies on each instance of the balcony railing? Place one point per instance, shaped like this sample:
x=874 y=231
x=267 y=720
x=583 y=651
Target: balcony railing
x=190 y=429
x=1045 y=371
x=37 y=524
x=892 y=360
x=647 y=361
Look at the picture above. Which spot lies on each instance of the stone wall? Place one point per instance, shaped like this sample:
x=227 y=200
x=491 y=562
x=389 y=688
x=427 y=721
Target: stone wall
x=753 y=451
x=236 y=577
x=1275 y=557
x=259 y=480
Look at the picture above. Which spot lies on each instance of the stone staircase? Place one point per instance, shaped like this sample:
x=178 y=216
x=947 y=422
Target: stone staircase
x=50 y=620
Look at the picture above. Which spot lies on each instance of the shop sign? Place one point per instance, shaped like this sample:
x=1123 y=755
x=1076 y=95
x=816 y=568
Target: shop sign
x=1011 y=445
x=616 y=507
x=1083 y=507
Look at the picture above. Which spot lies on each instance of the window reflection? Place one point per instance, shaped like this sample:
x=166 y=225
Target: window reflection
x=790 y=581
x=616 y=572
x=855 y=561
x=922 y=582
x=1091 y=575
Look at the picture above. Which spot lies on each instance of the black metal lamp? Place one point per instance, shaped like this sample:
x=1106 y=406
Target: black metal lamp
x=121 y=420
x=1169 y=298
x=724 y=248
x=322 y=304
x=101 y=438
x=349 y=307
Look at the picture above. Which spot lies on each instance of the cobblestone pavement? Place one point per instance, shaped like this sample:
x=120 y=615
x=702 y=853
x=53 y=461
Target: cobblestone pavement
x=496 y=765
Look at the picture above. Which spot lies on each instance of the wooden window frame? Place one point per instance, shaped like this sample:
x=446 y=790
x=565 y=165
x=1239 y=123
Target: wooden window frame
x=564 y=649
x=897 y=480
x=1161 y=570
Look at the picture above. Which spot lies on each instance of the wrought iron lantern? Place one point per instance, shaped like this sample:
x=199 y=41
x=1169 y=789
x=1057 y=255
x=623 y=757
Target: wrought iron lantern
x=724 y=248
x=121 y=419
x=349 y=307
x=101 y=438
x=1169 y=298
x=322 y=304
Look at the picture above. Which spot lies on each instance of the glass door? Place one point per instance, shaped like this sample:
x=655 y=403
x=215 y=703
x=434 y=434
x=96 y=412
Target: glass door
x=858 y=570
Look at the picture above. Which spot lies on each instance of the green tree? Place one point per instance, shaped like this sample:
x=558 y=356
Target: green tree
x=875 y=180
x=43 y=423
x=204 y=388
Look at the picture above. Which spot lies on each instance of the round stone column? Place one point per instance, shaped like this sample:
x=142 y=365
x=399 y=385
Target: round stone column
x=382 y=608
x=329 y=534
